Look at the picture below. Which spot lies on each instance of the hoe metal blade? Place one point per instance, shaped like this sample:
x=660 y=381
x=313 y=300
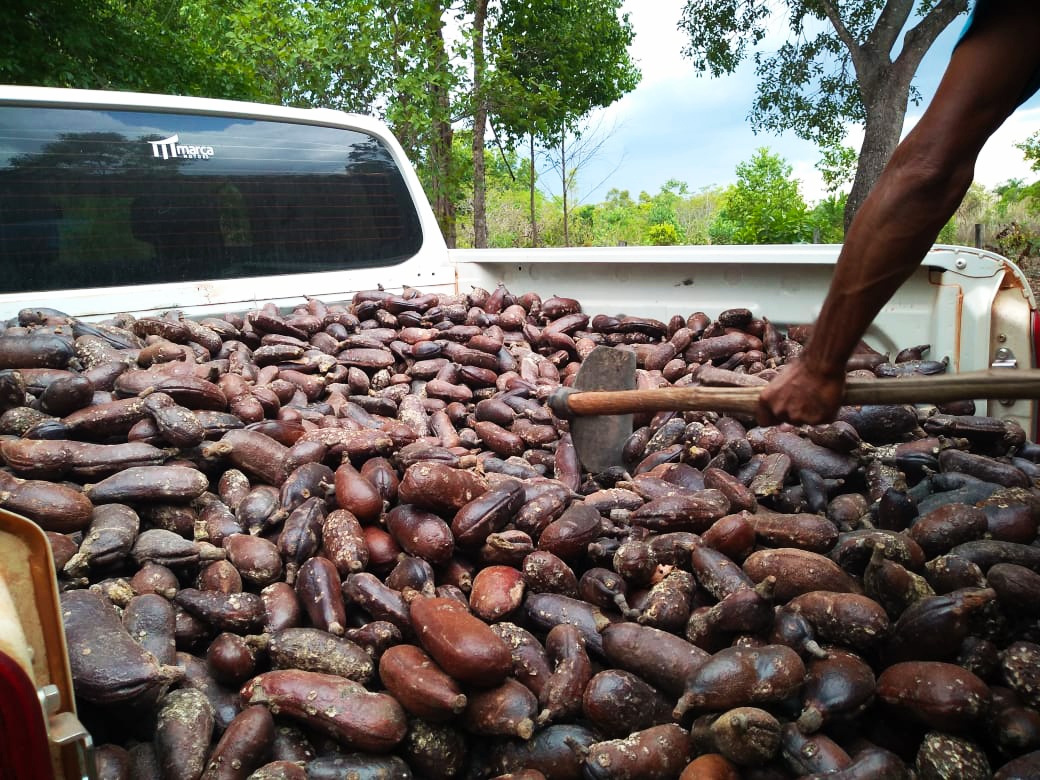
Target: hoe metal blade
x=599 y=440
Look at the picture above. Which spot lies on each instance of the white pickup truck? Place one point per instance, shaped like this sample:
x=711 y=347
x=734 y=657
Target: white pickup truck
x=119 y=202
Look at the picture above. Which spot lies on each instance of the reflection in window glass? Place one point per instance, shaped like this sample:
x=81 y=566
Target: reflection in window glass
x=93 y=198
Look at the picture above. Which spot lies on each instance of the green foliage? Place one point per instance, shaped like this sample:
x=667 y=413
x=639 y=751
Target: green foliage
x=837 y=166
x=662 y=234
x=1031 y=149
x=555 y=62
x=828 y=219
x=764 y=206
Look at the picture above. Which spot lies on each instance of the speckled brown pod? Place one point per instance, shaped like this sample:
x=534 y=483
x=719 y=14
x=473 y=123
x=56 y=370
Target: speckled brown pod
x=932 y=628
x=668 y=603
x=560 y=696
x=497 y=591
x=439 y=488
x=747 y=736
x=257 y=559
x=546 y=610
x=281 y=607
x=421 y=686
x=942 y=529
x=798 y=572
x=740 y=497
x=939 y=695
x=570 y=534
x=225 y=701
x=240 y=613
x=360 y=765
x=943 y=756
x=664 y=660
x=461 y=644
x=244 y=746
x=257 y=455
x=155 y=578
x=717 y=573
x=378 y=600
x=749 y=610
x=800 y=531
x=1016 y=587
x=618 y=702
x=356 y=494
x=546 y=573
x=656 y=753
x=182 y=734
x=279 y=770
x=811 y=753
x=682 y=512
x=1020 y=670
x=738 y=676
x=333 y=705
x=421 y=533
x=434 y=750
x=850 y=619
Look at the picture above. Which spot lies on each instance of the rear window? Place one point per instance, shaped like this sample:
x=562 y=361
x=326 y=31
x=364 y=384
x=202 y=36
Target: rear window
x=94 y=198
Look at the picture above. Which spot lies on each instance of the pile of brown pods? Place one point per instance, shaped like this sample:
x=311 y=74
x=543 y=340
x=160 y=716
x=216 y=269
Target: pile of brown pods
x=353 y=541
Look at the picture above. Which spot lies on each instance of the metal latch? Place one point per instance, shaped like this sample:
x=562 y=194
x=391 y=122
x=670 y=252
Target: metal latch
x=1004 y=358
x=64 y=728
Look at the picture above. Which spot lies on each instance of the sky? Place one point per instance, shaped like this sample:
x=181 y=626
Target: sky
x=679 y=125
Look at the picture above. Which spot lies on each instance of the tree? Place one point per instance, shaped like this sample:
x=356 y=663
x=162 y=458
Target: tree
x=844 y=61
x=554 y=63
x=764 y=206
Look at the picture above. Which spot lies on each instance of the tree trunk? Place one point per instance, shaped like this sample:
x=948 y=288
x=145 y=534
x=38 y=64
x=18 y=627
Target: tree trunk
x=563 y=178
x=441 y=173
x=480 y=229
x=534 y=223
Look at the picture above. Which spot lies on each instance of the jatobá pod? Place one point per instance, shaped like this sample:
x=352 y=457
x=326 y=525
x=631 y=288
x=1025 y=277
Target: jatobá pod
x=849 y=619
x=47 y=459
x=569 y=535
x=800 y=531
x=461 y=644
x=932 y=628
x=486 y=513
x=943 y=755
x=682 y=512
x=743 y=676
x=560 y=696
x=333 y=705
x=747 y=736
x=940 y=695
x=109 y=539
x=618 y=702
x=656 y=753
x=183 y=733
x=421 y=533
x=422 y=687
x=107 y=664
x=239 y=613
x=314 y=650
x=243 y=747
x=811 y=753
x=802 y=452
x=257 y=560
x=798 y=572
x=52 y=506
x=149 y=619
x=1020 y=670
x=837 y=687
x=530 y=661
x=439 y=488
x=149 y=483
x=497 y=591
x=318 y=589
x=546 y=610
x=664 y=660
x=507 y=710
x=343 y=542
x=356 y=494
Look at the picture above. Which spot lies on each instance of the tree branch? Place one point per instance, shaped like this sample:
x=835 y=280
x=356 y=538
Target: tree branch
x=920 y=37
x=889 y=24
x=834 y=17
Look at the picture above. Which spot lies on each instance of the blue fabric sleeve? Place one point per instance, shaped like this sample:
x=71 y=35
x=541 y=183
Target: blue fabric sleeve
x=1034 y=84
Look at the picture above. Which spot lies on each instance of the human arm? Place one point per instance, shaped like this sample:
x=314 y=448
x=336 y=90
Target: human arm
x=914 y=196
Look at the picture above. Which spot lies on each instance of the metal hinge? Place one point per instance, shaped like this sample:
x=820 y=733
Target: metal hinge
x=1004 y=358
x=64 y=728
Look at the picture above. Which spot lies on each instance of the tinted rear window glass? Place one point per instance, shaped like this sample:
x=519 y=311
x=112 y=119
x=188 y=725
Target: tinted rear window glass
x=92 y=198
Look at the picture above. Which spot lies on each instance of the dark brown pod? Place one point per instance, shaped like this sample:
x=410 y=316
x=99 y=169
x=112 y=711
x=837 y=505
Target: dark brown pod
x=240 y=613
x=344 y=542
x=149 y=483
x=546 y=573
x=460 y=643
x=155 y=578
x=850 y=619
x=1016 y=587
x=107 y=664
x=505 y=710
x=939 y=695
x=1020 y=670
x=738 y=676
x=618 y=702
x=421 y=686
x=257 y=560
x=383 y=476
x=570 y=534
x=739 y=496
x=356 y=494
x=732 y=535
x=256 y=454
x=244 y=746
x=811 y=753
x=668 y=603
x=546 y=610
x=664 y=660
x=656 y=753
x=439 y=488
x=798 y=572
x=837 y=687
x=560 y=696
x=486 y=513
x=710 y=766
x=183 y=733
x=747 y=736
x=279 y=770
x=942 y=529
x=378 y=600
x=231 y=659
x=52 y=506
x=318 y=590
x=109 y=539
x=943 y=755
x=281 y=608
x=434 y=750
x=150 y=620
x=933 y=628
x=421 y=533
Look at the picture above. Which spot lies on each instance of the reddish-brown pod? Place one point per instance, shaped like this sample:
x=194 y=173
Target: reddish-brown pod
x=422 y=687
x=356 y=494
x=461 y=644
x=438 y=487
x=497 y=591
x=940 y=695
